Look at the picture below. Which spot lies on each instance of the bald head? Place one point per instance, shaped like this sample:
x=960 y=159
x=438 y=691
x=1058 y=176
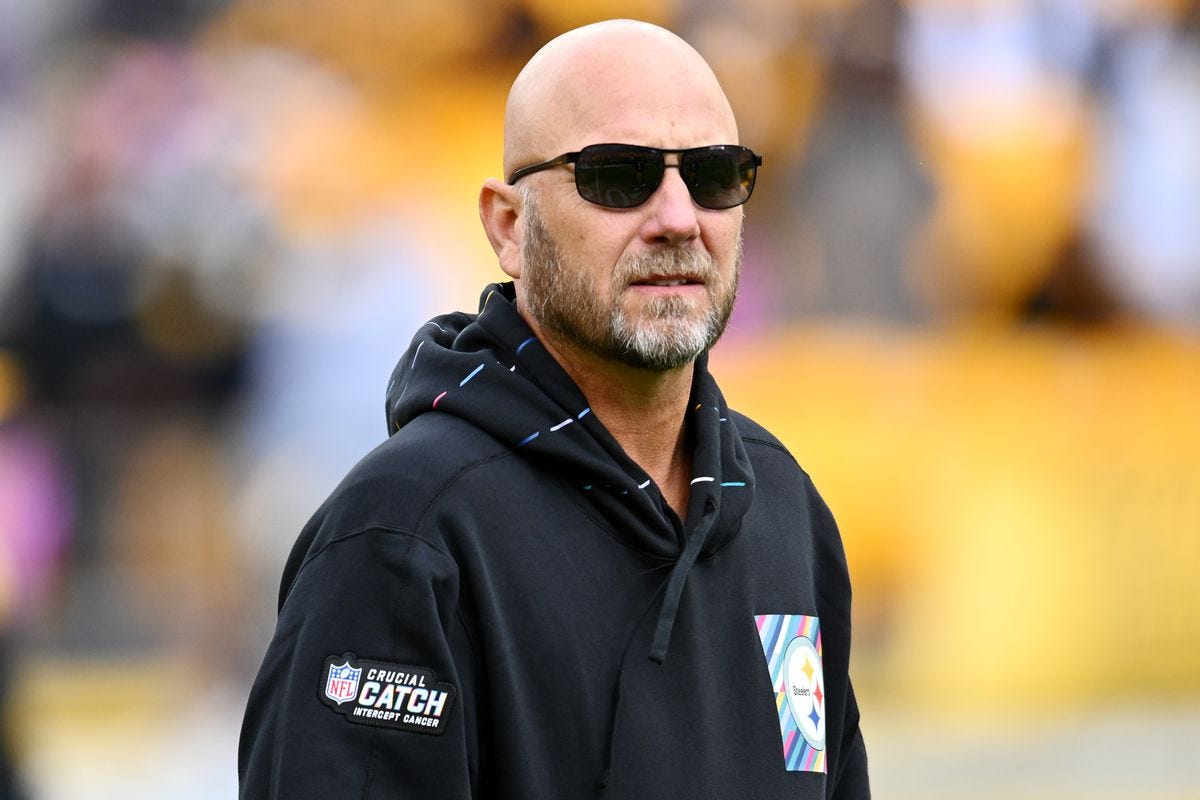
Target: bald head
x=614 y=81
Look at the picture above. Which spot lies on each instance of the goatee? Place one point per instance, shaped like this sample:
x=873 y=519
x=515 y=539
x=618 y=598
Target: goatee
x=665 y=333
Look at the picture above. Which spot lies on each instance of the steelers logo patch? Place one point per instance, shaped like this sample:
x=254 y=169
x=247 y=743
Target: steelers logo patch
x=805 y=684
x=792 y=648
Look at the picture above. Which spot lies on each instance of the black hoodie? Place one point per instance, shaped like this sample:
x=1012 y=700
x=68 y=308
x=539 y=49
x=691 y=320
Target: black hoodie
x=498 y=602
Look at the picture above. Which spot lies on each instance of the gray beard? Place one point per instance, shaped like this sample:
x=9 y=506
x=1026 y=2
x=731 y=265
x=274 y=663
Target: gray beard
x=671 y=332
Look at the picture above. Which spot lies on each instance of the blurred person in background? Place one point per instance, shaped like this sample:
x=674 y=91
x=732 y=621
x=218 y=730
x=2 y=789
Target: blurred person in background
x=35 y=517
x=471 y=611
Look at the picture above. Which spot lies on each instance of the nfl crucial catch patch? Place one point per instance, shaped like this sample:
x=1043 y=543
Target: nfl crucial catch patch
x=792 y=646
x=386 y=695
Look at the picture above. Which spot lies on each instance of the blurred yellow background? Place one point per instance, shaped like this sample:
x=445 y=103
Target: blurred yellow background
x=970 y=307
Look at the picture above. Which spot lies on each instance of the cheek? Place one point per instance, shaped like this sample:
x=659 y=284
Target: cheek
x=596 y=250
x=721 y=240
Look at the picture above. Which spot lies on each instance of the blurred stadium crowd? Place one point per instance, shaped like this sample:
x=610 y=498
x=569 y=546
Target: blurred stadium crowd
x=971 y=307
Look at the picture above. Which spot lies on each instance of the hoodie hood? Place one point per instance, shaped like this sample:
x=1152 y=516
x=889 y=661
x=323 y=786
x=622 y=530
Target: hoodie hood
x=490 y=369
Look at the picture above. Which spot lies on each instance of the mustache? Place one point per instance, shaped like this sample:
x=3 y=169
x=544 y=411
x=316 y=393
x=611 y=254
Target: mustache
x=694 y=265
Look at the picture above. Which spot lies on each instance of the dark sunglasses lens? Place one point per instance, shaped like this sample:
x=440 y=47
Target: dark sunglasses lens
x=719 y=177
x=618 y=177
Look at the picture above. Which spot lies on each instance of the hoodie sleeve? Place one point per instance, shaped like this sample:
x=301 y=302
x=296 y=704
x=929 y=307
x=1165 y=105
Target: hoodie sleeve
x=363 y=691
x=851 y=781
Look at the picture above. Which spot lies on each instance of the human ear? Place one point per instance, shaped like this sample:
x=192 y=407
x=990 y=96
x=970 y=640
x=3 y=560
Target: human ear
x=499 y=211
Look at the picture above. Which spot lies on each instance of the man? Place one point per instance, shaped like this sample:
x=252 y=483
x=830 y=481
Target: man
x=572 y=571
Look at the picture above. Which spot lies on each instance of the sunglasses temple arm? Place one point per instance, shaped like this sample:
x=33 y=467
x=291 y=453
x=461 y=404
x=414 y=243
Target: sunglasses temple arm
x=565 y=158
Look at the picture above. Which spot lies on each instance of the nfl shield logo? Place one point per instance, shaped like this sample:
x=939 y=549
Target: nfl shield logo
x=342 y=683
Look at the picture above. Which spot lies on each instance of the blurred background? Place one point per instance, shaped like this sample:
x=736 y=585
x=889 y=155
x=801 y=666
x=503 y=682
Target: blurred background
x=971 y=308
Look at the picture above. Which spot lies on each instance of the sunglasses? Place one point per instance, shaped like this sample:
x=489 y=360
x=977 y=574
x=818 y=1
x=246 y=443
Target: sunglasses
x=626 y=175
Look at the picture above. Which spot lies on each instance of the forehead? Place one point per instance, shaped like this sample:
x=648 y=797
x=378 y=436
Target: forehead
x=641 y=90
x=641 y=115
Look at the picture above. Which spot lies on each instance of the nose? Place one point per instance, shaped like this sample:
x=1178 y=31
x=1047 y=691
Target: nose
x=672 y=219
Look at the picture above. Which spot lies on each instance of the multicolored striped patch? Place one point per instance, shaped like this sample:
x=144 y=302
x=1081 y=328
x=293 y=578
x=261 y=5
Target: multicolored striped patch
x=792 y=646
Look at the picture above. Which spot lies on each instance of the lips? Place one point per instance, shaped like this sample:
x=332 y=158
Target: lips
x=682 y=269
x=666 y=281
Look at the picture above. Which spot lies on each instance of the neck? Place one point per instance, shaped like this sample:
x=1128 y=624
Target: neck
x=644 y=410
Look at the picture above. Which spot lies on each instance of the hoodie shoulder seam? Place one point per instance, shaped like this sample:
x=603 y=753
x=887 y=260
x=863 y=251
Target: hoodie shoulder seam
x=364 y=529
x=582 y=507
x=772 y=445
x=452 y=479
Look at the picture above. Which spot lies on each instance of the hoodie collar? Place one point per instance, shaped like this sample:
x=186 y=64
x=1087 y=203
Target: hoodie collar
x=490 y=369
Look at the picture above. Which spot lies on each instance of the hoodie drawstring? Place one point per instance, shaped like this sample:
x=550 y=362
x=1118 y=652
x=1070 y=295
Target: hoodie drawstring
x=672 y=593
x=606 y=775
x=666 y=617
